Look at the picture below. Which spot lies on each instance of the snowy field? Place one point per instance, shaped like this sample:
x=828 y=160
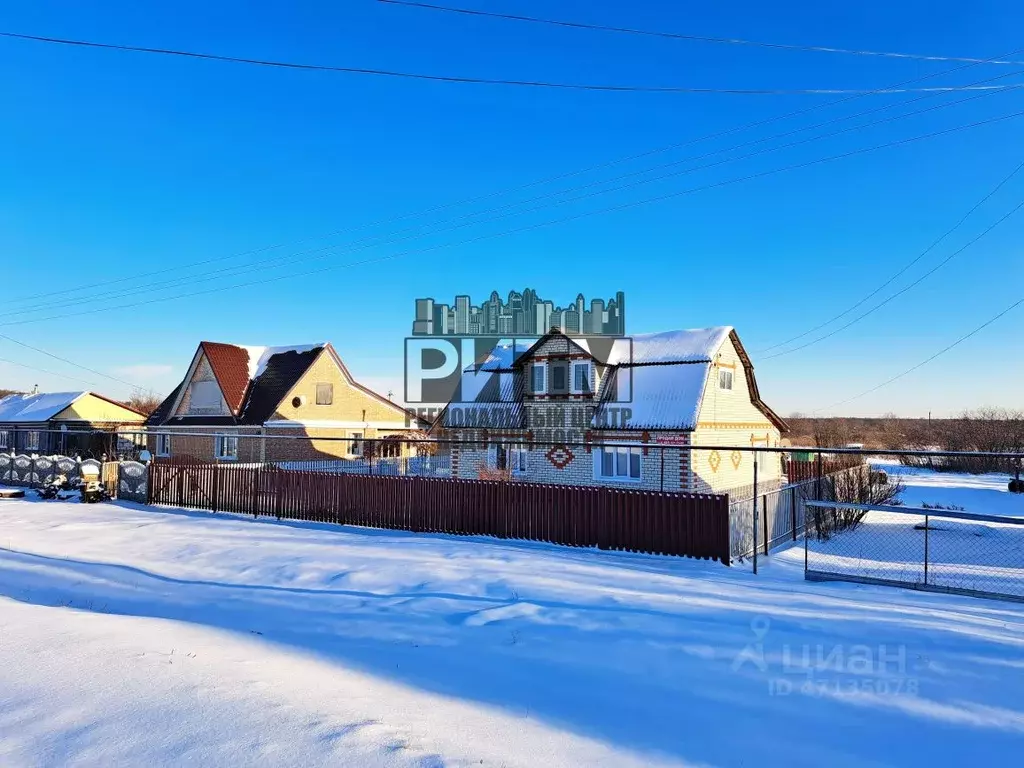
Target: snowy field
x=139 y=636
x=962 y=554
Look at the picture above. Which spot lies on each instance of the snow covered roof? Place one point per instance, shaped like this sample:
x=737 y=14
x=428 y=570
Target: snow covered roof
x=658 y=396
x=259 y=357
x=39 y=407
x=686 y=346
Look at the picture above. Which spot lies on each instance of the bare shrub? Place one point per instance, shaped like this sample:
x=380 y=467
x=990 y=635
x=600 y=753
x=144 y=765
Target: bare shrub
x=859 y=486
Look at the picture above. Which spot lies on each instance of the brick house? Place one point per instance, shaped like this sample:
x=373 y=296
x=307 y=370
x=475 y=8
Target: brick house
x=665 y=394
x=49 y=423
x=242 y=394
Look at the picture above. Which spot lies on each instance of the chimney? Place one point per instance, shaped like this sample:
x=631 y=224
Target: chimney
x=35 y=389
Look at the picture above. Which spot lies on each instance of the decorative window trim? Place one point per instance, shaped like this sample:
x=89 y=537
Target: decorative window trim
x=163 y=445
x=32 y=440
x=328 y=397
x=576 y=390
x=725 y=379
x=600 y=451
x=543 y=367
x=225 y=447
x=4 y=439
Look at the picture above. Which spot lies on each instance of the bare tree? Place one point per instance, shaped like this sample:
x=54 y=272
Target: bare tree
x=144 y=401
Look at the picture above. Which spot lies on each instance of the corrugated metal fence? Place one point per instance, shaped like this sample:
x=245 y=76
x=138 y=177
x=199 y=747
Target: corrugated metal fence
x=608 y=518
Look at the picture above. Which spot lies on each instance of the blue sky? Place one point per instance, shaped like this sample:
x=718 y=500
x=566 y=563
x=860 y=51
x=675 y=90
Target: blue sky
x=114 y=164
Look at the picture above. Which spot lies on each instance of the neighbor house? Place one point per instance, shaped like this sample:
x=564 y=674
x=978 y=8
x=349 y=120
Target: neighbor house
x=63 y=423
x=233 y=395
x=544 y=413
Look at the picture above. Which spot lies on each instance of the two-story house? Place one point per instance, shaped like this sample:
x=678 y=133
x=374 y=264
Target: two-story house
x=234 y=395
x=545 y=413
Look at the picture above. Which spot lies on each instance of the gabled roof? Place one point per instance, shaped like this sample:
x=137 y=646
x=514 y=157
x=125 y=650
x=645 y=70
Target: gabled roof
x=660 y=377
x=43 y=406
x=39 y=407
x=253 y=380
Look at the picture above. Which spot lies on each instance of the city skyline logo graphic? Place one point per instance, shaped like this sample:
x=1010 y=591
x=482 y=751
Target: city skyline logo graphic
x=522 y=314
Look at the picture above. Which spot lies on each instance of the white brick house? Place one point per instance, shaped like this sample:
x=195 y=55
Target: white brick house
x=545 y=413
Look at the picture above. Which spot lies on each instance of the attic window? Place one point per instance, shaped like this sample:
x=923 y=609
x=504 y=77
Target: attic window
x=581 y=377
x=324 y=394
x=204 y=396
x=724 y=379
x=537 y=379
x=297 y=401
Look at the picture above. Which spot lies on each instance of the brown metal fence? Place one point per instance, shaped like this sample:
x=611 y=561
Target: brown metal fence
x=609 y=518
x=802 y=471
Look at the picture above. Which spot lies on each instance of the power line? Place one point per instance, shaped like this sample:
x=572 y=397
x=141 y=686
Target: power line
x=901 y=272
x=51 y=373
x=529 y=227
x=694 y=38
x=571 y=174
x=923 y=363
x=504 y=211
x=487 y=81
x=69 y=362
x=903 y=290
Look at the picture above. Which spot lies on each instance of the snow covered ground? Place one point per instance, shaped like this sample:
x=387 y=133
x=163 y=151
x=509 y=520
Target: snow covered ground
x=140 y=636
x=962 y=554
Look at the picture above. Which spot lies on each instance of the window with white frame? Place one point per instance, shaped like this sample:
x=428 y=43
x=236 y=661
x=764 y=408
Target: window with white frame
x=724 y=379
x=32 y=441
x=509 y=456
x=618 y=463
x=580 y=377
x=227 y=447
x=325 y=394
x=355 y=446
x=4 y=440
x=163 y=445
x=537 y=378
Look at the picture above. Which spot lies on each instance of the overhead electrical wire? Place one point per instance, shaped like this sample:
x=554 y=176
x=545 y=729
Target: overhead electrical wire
x=689 y=37
x=906 y=288
x=934 y=244
x=559 y=177
x=925 y=362
x=539 y=225
x=483 y=80
x=50 y=373
x=69 y=362
x=503 y=212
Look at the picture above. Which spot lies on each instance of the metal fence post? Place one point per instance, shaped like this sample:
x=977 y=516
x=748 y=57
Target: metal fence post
x=792 y=505
x=753 y=502
x=926 y=550
x=663 y=469
x=764 y=522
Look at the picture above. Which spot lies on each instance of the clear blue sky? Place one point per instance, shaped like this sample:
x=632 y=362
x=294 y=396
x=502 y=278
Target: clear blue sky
x=112 y=163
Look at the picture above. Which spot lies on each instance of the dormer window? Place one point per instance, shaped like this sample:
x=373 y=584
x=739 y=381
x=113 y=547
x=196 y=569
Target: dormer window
x=537 y=378
x=559 y=378
x=580 y=378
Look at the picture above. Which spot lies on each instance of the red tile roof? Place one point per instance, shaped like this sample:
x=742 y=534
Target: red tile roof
x=230 y=365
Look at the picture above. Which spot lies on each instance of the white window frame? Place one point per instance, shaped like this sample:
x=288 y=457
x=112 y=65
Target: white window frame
x=32 y=438
x=725 y=376
x=515 y=457
x=4 y=439
x=223 y=445
x=163 y=445
x=615 y=451
x=543 y=368
x=574 y=388
x=330 y=396
x=356 y=441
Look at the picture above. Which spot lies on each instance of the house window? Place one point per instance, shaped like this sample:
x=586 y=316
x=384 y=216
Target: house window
x=204 y=396
x=618 y=463
x=581 y=377
x=559 y=378
x=537 y=379
x=227 y=447
x=511 y=456
x=325 y=394
x=163 y=445
x=32 y=441
x=356 y=445
x=724 y=379
x=3 y=438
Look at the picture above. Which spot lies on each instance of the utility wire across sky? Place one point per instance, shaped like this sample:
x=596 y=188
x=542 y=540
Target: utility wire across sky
x=689 y=37
x=484 y=80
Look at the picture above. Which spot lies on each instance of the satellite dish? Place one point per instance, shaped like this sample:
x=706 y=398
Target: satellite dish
x=63 y=427
x=145 y=456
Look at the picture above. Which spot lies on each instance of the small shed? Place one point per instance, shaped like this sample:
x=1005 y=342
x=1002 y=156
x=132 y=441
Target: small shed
x=48 y=423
